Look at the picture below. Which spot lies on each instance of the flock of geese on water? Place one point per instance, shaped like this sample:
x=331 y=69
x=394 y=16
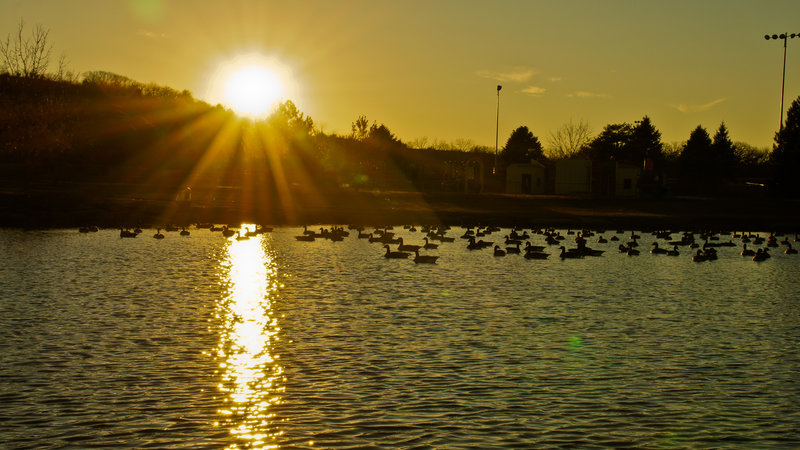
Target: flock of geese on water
x=703 y=245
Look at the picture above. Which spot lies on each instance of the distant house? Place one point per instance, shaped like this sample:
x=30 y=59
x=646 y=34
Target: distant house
x=522 y=178
x=573 y=176
x=626 y=179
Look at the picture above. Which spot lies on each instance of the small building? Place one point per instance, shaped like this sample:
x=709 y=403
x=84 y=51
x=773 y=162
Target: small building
x=573 y=176
x=626 y=180
x=522 y=178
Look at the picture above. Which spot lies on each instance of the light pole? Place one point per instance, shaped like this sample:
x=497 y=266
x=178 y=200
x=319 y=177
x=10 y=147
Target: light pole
x=496 y=130
x=783 y=36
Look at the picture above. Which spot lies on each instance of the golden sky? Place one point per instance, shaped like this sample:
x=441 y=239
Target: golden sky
x=430 y=68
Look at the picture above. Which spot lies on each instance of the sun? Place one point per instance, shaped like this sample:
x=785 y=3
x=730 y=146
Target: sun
x=252 y=85
x=253 y=90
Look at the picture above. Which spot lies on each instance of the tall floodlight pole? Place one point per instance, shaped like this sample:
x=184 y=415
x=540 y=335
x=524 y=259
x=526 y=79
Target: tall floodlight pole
x=785 y=37
x=496 y=130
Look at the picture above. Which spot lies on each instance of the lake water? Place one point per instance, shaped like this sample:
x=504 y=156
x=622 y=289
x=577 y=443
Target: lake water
x=209 y=342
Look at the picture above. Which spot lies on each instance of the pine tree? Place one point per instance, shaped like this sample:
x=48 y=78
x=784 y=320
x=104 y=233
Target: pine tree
x=723 y=154
x=645 y=143
x=785 y=157
x=521 y=147
x=696 y=158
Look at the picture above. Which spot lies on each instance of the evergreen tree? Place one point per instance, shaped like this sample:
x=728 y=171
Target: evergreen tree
x=785 y=157
x=644 y=143
x=610 y=143
x=521 y=147
x=696 y=158
x=724 y=154
x=646 y=151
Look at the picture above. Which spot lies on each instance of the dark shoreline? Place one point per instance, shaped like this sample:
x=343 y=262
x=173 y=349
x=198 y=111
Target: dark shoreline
x=372 y=208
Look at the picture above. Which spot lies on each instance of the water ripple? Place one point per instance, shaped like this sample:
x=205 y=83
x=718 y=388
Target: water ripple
x=207 y=342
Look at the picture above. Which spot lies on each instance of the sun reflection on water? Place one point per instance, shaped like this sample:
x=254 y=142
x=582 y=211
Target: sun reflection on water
x=251 y=375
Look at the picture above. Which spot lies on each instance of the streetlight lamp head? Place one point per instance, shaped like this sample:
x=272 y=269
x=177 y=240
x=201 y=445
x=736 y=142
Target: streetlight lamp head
x=766 y=36
x=499 y=87
x=774 y=36
x=793 y=35
x=783 y=36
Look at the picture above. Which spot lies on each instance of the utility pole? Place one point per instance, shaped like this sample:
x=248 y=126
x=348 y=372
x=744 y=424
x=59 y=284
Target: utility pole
x=785 y=37
x=497 y=130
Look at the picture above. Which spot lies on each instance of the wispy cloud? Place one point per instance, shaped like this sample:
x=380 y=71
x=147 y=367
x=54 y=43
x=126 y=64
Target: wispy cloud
x=534 y=90
x=587 y=94
x=150 y=34
x=514 y=76
x=698 y=108
x=554 y=79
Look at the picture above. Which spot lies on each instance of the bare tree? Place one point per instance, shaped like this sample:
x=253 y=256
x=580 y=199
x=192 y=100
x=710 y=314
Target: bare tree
x=568 y=139
x=26 y=55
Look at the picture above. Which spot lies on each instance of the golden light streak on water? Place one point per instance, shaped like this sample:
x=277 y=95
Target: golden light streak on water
x=250 y=371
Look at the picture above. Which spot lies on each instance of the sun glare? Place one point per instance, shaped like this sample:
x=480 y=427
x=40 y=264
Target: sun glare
x=252 y=85
x=253 y=90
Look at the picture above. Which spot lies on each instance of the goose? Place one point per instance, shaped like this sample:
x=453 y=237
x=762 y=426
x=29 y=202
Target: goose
x=158 y=234
x=515 y=250
x=789 y=250
x=568 y=254
x=512 y=241
x=429 y=245
x=305 y=237
x=632 y=251
x=699 y=256
x=227 y=232
x=424 y=259
x=395 y=255
x=533 y=248
x=747 y=251
x=536 y=255
x=125 y=233
x=602 y=240
x=477 y=245
x=551 y=240
x=521 y=237
x=673 y=252
x=761 y=255
x=184 y=232
x=658 y=251
x=498 y=251
x=239 y=236
x=407 y=247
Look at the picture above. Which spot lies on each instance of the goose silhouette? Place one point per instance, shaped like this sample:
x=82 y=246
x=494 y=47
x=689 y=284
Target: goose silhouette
x=395 y=255
x=403 y=247
x=430 y=245
x=424 y=259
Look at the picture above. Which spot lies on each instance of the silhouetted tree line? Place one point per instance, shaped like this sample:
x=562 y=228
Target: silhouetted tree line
x=109 y=128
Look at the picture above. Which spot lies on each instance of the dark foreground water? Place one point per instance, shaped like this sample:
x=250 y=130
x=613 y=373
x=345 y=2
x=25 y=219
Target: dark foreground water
x=207 y=342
